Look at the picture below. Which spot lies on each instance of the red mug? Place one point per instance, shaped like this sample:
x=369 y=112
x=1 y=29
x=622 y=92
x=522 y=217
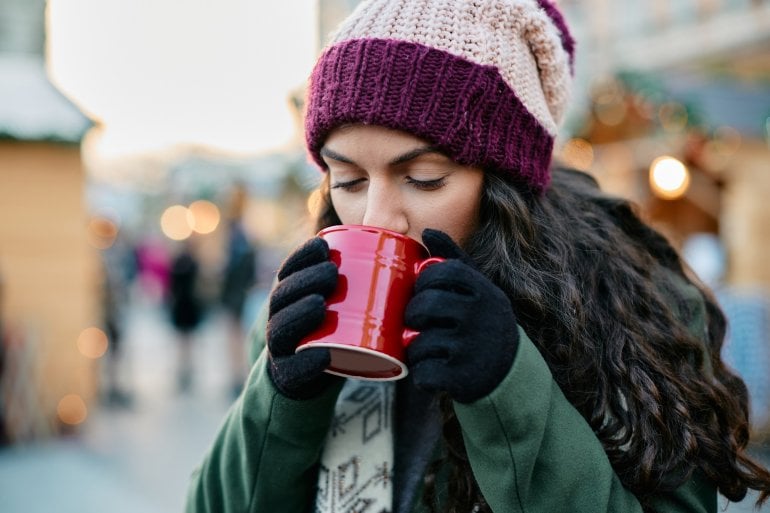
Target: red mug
x=364 y=324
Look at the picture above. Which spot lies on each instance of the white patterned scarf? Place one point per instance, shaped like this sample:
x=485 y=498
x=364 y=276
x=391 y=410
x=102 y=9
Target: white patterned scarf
x=356 y=474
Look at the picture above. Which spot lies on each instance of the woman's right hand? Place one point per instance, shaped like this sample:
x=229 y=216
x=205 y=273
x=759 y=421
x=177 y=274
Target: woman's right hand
x=297 y=307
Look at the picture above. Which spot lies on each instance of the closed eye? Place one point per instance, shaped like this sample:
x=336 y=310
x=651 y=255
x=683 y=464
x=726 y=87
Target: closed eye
x=349 y=185
x=427 y=185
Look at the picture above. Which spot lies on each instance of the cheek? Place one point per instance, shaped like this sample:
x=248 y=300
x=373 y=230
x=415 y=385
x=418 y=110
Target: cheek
x=466 y=208
x=455 y=216
x=346 y=208
x=463 y=222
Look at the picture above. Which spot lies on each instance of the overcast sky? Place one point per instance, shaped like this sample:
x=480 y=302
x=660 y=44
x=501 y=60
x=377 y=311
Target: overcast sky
x=159 y=72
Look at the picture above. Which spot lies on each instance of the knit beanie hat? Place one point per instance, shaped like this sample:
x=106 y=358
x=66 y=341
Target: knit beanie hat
x=487 y=81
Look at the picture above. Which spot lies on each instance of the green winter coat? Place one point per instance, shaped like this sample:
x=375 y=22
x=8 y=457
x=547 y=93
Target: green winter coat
x=530 y=449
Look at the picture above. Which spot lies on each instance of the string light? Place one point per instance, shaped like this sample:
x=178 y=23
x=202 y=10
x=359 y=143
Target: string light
x=92 y=343
x=102 y=232
x=205 y=216
x=177 y=222
x=669 y=178
x=72 y=410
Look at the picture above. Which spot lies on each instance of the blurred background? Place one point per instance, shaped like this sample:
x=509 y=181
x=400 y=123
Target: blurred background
x=152 y=178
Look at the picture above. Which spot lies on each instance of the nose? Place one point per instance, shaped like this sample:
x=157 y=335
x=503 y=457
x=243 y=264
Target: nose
x=385 y=208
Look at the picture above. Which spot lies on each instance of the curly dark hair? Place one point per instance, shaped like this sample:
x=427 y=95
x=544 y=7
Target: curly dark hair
x=583 y=273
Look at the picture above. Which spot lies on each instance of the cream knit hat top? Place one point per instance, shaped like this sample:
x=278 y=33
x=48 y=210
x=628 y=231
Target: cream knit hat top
x=487 y=81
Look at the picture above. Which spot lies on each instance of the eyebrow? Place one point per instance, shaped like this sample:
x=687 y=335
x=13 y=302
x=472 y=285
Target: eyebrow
x=405 y=157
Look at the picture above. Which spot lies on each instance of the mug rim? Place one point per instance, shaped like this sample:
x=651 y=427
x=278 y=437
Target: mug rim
x=367 y=228
x=359 y=349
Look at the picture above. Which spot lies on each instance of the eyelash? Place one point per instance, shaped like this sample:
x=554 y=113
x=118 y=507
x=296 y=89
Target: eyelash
x=427 y=185
x=346 y=186
x=423 y=185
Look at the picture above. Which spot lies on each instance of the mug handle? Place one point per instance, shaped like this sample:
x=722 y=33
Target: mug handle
x=409 y=334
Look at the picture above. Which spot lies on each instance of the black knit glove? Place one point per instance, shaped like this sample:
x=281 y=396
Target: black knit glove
x=468 y=334
x=297 y=308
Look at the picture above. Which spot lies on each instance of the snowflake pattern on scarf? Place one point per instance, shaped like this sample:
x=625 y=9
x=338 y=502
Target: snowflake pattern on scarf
x=356 y=474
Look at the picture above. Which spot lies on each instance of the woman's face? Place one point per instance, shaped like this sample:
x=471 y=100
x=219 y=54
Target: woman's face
x=394 y=180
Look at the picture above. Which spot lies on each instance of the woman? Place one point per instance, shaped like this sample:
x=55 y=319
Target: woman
x=565 y=361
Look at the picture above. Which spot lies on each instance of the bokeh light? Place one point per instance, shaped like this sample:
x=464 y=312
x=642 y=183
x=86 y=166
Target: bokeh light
x=611 y=114
x=72 y=410
x=578 y=153
x=669 y=178
x=205 y=216
x=102 y=232
x=673 y=117
x=609 y=103
x=177 y=222
x=92 y=343
x=727 y=140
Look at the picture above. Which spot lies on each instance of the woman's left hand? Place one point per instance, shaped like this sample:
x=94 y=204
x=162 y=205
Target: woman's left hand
x=468 y=333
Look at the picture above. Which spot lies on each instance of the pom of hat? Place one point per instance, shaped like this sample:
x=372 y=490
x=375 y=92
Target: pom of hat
x=485 y=80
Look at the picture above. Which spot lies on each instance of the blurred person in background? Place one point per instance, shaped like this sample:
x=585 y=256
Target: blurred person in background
x=153 y=263
x=238 y=278
x=118 y=272
x=564 y=363
x=185 y=309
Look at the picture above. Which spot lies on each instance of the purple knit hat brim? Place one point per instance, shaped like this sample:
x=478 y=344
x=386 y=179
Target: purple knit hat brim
x=465 y=108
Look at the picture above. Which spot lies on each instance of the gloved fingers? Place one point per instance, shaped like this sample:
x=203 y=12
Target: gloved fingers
x=297 y=372
x=432 y=375
x=313 y=251
x=289 y=325
x=433 y=345
x=453 y=276
x=320 y=278
x=434 y=308
x=440 y=244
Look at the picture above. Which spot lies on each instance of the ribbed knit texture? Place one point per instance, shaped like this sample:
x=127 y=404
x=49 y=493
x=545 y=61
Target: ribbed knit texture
x=485 y=80
x=465 y=109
